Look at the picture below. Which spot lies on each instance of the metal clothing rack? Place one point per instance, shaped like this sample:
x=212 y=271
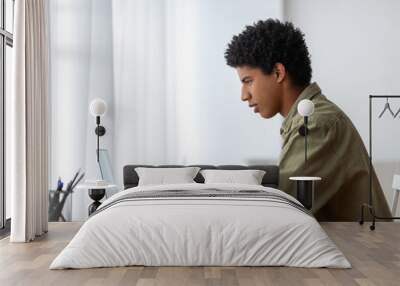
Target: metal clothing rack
x=370 y=205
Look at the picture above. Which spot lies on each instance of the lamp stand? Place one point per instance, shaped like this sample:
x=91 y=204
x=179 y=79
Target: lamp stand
x=303 y=131
x=100 y=131
x=305 y=140
x=96 y=131
x=305 y=184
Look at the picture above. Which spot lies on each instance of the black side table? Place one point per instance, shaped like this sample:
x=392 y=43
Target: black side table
x=96 y=193
x=305 y=190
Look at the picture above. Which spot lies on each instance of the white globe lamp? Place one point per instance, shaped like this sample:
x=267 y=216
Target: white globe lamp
x=98 y=107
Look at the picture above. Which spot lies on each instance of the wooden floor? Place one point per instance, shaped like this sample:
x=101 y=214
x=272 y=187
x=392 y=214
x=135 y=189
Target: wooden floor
x=374 y=255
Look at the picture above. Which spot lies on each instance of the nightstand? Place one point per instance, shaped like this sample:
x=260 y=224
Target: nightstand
x=305 y=190
x=96 y=193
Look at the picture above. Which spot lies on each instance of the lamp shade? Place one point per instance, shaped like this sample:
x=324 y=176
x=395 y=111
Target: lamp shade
x=98 y=107
x=305 y=107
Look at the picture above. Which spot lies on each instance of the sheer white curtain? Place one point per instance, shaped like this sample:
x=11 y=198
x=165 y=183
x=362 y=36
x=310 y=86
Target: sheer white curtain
x=81 y=69
x=176 y=100
x=115 y=50
x=160 y=66
x=144 y=102
x=29 y=122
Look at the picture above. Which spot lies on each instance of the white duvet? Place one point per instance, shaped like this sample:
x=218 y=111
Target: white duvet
x=200 y=231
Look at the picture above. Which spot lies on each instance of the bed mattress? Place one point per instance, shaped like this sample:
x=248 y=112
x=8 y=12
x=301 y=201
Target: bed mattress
x=201 y=225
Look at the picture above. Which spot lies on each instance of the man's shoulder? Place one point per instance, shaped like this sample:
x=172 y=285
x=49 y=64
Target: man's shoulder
x=326 y=114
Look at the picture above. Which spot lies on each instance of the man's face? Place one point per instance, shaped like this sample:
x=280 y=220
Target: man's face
x=261 y=91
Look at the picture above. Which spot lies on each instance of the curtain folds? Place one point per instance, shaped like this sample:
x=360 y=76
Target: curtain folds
x=29 y=122
x=159 y=65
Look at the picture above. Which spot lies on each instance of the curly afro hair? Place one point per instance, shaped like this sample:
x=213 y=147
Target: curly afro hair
x=269 y=42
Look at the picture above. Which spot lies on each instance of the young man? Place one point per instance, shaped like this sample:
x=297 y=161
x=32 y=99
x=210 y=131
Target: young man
x=273 y=64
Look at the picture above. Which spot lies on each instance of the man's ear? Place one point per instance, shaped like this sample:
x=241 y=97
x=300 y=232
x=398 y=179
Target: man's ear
x=280 y=72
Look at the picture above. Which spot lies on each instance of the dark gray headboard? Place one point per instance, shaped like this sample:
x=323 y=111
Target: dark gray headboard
x=270 y=179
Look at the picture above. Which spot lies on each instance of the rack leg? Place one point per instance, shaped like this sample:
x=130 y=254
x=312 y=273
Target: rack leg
x=372 y=226
x=362 y=215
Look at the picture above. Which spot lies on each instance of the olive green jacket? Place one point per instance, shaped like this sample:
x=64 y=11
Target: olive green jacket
x=335 y=153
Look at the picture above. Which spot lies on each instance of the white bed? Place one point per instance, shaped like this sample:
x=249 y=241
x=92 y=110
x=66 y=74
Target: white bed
x=188 y=231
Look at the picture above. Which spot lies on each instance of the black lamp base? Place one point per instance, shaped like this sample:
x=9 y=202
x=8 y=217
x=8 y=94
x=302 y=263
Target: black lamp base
x=96 y=195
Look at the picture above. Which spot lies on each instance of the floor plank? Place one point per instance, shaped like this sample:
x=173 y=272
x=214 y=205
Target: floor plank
x=375 y=257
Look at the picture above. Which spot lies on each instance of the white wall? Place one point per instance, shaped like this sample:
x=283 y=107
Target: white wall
x=355 y=52
x=218 y=128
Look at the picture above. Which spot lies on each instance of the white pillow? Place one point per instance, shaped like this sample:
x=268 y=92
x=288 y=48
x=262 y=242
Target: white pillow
x=249 y=177
x=164 y=176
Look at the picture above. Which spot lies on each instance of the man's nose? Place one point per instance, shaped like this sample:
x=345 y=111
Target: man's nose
x=245 y=94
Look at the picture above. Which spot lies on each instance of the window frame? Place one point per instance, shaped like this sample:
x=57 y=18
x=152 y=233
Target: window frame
x=6 y=39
